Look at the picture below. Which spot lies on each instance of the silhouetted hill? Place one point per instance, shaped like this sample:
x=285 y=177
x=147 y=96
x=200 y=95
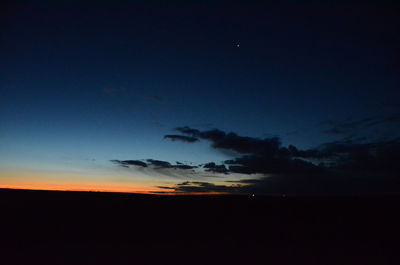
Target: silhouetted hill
x=58 y=227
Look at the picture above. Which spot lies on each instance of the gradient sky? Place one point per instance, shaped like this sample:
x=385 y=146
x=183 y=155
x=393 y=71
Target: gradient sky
x=84 y=84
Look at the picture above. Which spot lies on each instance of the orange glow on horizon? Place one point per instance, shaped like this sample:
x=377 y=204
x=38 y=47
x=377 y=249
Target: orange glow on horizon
x=85 y=189
x=65 y=182
x=68 y=182
x=95 y=188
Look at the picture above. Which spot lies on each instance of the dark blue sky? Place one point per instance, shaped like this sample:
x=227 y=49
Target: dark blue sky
x=83 y=84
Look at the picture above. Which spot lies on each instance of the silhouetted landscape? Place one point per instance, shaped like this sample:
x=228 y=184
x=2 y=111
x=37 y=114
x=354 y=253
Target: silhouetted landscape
x=60 y=227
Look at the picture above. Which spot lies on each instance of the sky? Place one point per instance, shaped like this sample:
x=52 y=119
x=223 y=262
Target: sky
x=200 y=97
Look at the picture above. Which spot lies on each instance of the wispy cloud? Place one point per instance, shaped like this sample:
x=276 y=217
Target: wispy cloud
x=182 y=138
x=352 y=126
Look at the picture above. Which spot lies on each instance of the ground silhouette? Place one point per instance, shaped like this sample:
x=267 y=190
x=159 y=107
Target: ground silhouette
x=58 y=227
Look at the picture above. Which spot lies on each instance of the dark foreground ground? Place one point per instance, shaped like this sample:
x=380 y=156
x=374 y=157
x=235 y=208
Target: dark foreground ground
x=48 y=227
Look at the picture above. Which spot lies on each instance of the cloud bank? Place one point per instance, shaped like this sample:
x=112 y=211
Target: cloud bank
x=346 y=167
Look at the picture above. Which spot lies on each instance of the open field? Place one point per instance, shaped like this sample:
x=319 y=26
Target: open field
x=51 y=227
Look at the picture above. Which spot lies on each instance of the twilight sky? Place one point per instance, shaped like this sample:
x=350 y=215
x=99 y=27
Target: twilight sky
x=196 y=98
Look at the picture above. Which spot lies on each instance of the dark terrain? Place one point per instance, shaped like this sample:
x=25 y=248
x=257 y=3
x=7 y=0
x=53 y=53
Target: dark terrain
x=52 y=227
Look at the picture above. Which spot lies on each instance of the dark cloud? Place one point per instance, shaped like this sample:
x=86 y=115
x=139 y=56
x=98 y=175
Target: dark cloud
x=159 y=163
x=184 y=166
x=127 y=163
x=327 y=184
x=258 y=155
x=231 y=141
x=253 y=164
x=330 y=183
x=182 y=138
x=246 y=181
x=374 y=158
x=349 y=166
x=155 y=164
x=212 y=167
x=184 y=183
x=203 y=187
x=268 y=156
x=187 y=130
x=165 y=164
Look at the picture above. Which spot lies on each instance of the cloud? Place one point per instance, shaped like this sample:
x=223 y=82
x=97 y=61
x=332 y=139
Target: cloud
x=182 y=138
x=231 y=141
x=165 y=164
x=377 y=158
x=258 y=155
x=198 y=186
x=266 y=165
x=159 y=163
x=350 y=166
x=184 y=167
x=212 y=167
x=350 y=126
x=153 y=164
x=127 y=163
x=341 y=167
x=187 y=130
x=330 y=183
